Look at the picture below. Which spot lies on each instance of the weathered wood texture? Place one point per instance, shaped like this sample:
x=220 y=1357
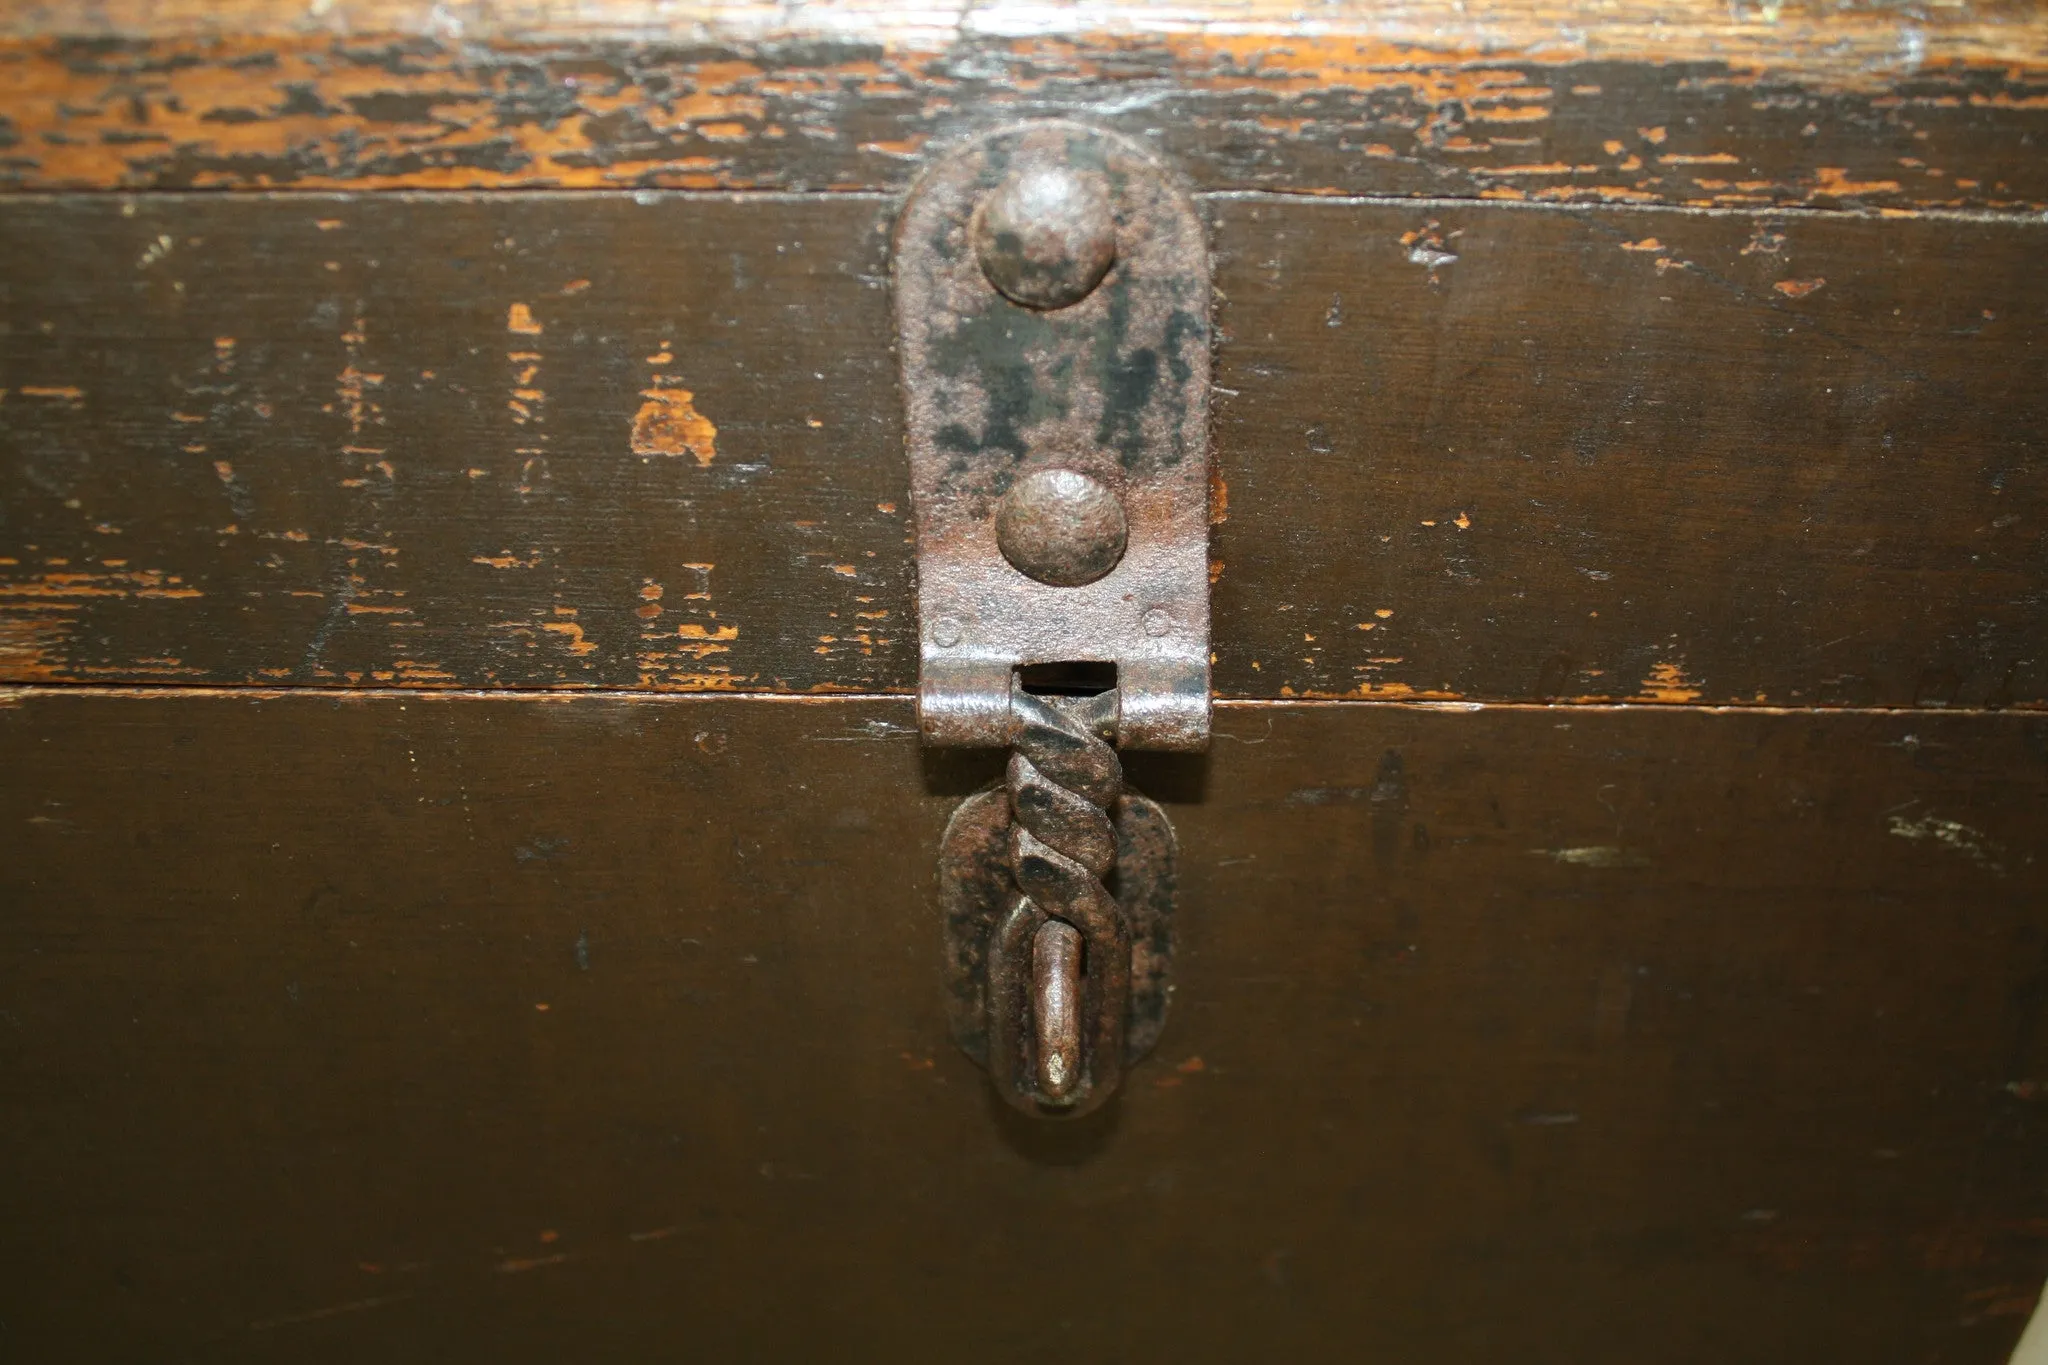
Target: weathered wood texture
x=1465 y=450
x=1874 y=105
x=409 y=1028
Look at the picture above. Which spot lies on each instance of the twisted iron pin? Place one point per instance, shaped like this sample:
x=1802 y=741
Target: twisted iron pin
x=1060 y=959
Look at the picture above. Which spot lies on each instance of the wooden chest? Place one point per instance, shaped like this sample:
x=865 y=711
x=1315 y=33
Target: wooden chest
x=468 y=866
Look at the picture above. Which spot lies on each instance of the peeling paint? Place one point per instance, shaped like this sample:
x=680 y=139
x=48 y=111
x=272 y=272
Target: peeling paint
x=577 y=644
x=506 y=559
x=61 y=587
x=699 y=640
x=668 y=424
x=33 y=646
x=523 y=97
x=1667 y=683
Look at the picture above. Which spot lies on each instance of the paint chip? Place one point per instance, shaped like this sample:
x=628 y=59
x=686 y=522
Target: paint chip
x=1667 y=683
x=668 y=423
x=1595 y=855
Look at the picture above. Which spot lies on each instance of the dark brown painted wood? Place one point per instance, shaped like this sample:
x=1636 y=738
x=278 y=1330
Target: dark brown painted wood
x=1465 y=450
x=1696 y=102
x=406 y=1027
x=487 y=440
x=1662 y=456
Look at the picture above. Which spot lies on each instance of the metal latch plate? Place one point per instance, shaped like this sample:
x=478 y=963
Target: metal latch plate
x=1114 y=387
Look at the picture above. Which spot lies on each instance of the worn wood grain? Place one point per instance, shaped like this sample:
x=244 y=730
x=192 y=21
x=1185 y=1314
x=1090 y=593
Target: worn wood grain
x=1668 y=457
x=345 y=1026
x=654 y=441
x=1871 y=105
x=1812 y=32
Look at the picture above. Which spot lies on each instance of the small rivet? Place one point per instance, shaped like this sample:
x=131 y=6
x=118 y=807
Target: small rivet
x=946 y=632
x=1157 y=621
x=1045 y=236
x=1061 y=527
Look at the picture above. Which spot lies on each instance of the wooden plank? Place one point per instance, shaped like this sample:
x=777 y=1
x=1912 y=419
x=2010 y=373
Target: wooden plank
x=498 y=441
x=356 y=1026
x=1468 y=451
x=1813 y=32
x=1664 y=457
x=1696 y=102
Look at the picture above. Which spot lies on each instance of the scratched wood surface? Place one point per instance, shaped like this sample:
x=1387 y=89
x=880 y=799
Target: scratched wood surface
x=1465 y=450
x=1875 y=105
x=400 y=1027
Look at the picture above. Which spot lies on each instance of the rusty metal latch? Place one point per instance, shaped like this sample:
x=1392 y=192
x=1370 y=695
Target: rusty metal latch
x=1052 y=311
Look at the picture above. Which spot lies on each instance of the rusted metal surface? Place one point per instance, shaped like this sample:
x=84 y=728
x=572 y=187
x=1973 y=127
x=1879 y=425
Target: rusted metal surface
x=1061 y=527
x=1046 y=236
x=1063 y=778
x=1056 y=1006
x=1052 y=294
x=1058 y=984
x=1113 y=388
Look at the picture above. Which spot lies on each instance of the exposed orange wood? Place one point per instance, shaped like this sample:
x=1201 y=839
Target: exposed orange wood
x=598 y=93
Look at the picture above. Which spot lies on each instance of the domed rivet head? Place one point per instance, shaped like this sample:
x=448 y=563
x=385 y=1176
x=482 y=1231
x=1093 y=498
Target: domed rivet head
x=1045 y=236
x=1061 y=527
x=946 y=632
x=1157 y=622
